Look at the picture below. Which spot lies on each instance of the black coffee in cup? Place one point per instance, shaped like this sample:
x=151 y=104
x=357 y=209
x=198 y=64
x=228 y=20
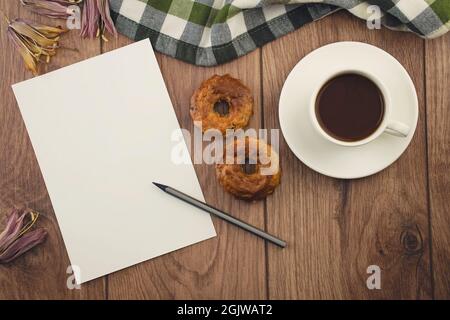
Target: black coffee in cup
x=350 y=107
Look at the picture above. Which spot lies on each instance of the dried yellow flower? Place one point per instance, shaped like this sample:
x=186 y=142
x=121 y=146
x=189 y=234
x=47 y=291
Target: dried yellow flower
x=33 y=41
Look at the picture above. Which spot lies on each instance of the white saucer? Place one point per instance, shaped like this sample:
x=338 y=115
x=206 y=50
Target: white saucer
x=322 y=155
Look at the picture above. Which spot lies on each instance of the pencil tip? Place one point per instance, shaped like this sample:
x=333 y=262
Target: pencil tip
x=161 y=186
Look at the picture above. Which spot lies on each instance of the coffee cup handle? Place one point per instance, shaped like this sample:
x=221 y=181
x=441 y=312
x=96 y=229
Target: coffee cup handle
x=397 y=129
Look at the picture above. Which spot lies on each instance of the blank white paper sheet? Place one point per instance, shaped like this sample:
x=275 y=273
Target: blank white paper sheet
x=102 y=133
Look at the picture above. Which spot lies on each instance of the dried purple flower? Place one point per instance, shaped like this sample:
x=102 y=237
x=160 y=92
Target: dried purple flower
x=90 y=20
x=58 y=9
x=96 y=19
x=17 y=238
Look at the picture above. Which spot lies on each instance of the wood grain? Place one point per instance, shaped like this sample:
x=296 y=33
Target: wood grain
x=337 y=228
x=396 y=219
x=231 y=266
x=40 y=274
x=438 y=120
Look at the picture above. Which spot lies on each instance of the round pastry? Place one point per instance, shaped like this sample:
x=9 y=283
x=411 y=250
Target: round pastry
x=221 y=102
x=251 y=173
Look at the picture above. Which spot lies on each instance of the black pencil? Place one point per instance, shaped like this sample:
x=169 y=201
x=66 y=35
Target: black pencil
x=220 y=214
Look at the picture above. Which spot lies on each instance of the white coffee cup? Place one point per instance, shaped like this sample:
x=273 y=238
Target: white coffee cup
x=387 y=124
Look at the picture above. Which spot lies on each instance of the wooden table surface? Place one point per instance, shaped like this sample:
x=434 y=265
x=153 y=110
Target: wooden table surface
x=398 y=219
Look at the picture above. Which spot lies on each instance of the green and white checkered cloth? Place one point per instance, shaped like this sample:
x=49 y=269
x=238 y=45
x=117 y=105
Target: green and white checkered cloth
x=210 y=32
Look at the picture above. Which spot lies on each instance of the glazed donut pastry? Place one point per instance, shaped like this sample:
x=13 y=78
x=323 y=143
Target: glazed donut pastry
x=249 y=174
x=221 y=102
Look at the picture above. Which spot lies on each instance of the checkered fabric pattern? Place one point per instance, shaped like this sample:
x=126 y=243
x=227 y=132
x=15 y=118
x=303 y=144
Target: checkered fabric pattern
x=211 y=32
